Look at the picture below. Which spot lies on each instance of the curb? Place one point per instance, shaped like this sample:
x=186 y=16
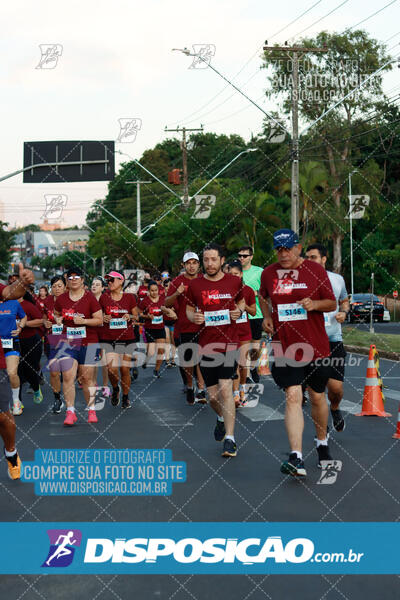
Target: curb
x=382 y=354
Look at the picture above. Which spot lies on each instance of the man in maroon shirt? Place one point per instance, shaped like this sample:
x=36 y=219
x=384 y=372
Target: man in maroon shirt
x=16 y=289
x=214 y=302
x=300 y=292
x=188 y=331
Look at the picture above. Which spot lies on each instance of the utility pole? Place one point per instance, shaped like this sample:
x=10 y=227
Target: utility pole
x=184 y=161
x=138 y=207
x=295 y=51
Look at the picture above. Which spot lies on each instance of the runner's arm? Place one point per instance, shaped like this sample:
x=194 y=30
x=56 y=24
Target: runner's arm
x=193 y=315
x=325 y=305
x=268 y=325
x=251 y=309
x=344 y=309
x=95 y=321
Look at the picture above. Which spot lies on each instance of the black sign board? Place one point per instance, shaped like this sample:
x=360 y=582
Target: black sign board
x=92 y=161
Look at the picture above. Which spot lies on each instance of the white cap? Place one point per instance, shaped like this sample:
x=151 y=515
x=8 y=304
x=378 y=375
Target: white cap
x=190 y=255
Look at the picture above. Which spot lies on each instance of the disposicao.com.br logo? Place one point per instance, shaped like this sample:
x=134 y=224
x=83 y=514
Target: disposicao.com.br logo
x=249 y=551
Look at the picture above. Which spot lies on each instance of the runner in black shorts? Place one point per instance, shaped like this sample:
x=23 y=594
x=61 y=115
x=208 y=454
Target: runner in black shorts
x=120 y=313
x=299 y=291
x=153 y=309
x=214 y=302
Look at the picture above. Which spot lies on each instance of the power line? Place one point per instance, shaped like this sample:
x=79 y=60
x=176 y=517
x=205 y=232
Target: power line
x=373 y=15
x=319 y=20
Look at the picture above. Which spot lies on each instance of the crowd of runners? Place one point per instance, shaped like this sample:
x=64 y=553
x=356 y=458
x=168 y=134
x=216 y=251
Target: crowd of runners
x=208 y=322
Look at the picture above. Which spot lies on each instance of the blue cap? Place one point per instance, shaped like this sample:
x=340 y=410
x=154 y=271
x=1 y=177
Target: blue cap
x=285 y=238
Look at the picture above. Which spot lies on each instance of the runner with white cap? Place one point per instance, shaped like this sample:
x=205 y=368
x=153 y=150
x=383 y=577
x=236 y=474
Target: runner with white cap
x=188 y=331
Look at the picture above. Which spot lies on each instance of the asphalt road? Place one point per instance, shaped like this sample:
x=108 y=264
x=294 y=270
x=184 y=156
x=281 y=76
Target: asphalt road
x=387 y=327
x=249 y=487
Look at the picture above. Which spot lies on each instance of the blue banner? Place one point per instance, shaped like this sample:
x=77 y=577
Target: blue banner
x=200 y=548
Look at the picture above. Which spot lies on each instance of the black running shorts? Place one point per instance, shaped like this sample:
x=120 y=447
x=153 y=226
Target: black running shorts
x=225 y=369
x=5 y=391
x=338 y=359
x=315 y=377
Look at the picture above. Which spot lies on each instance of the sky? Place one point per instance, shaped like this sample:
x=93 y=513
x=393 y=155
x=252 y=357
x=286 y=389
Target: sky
x=117 y=62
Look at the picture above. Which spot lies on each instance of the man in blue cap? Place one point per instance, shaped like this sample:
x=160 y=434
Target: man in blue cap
x=299 y=292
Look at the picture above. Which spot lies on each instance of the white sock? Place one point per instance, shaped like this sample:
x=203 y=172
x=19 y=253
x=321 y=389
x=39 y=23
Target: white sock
x=241 y=387
x=71 y=408
x=9 y=454
x=298 y=454
x=230 y=437
x=220 y=418
x=15 y=394
x=322 y=442
x=236 y=393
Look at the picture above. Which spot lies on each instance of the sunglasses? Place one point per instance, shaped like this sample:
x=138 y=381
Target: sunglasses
x=244 y=255
x=71 y=277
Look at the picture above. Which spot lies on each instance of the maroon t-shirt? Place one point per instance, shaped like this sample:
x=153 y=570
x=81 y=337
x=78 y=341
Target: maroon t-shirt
x=2 y=357
x=84 y=307
x=183 y=323
x=117 y=309
x=142 y=293
x=215 y=299
x=32 y=312
x=52 y=337
x=286 y=287
x=243 y=328
x=154 y=309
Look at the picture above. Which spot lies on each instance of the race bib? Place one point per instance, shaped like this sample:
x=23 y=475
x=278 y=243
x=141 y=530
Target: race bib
x=76 y=333
x=217 y=317
x=157 y=320
x=242 y=318
x=291 y=312
x=7 y=344
x=56 y=329
x=118 y=324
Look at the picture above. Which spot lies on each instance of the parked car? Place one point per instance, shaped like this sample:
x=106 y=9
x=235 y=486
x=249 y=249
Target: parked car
x=360 y=307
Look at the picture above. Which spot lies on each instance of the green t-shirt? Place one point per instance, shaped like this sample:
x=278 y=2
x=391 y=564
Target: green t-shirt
x=252 y=278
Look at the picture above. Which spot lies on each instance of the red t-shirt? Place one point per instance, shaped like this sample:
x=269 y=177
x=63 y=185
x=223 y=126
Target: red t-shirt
x=52 y=337
x=142 y=294
x=32 y=312
x=153 y=309
x=286 y=287
x=183 y=324
x=2 y=357
x=243 y=328
x=215 y=299
x=84 y=307
x=117 y=308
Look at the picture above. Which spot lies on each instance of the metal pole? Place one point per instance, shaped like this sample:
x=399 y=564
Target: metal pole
x=138 y=211
x=295 y=146
x=371 y=310
x=351 y=238
x=185 y=169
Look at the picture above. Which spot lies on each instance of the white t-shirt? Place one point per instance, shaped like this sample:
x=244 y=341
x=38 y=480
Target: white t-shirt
x=333 y=328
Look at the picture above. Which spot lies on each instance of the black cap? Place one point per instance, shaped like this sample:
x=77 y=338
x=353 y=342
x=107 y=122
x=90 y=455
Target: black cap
x=75 y=271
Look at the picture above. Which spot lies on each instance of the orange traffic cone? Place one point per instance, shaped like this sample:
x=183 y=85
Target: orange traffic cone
x=397 y=434
x=372 y=400
x=263 y=367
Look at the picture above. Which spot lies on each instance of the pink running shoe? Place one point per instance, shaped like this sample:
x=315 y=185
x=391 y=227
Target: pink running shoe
x=70 y=418
x=92 y=417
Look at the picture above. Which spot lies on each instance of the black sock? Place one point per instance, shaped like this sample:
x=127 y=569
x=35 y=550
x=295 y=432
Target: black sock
x=57 y=395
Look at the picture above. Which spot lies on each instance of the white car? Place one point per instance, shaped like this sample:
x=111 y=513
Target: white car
x=386 y=315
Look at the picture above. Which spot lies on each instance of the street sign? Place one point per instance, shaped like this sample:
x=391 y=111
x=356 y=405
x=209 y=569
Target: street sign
x=395 y=293
x=91 y=161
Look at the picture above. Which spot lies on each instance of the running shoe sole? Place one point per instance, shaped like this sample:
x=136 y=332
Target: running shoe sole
x=288 y=469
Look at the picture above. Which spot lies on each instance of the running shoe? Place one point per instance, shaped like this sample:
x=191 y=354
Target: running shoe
x=105 y=392
x=190 y=396
x=230 y=448
x=293 y=466
x=169 y=364
x=92 y=417
x=38 y=396
x=219 y=431
x=125 y=401
x=255 y=376
x=17 y=407
x=248 y=380
x=323 y=454
x=156 y=374
x=144 y=365
x=115 y=396
x=14 y=466
x=70 y=418
x=58 y=405
x=338 y=420
x=201 y=397
x=135 y=372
